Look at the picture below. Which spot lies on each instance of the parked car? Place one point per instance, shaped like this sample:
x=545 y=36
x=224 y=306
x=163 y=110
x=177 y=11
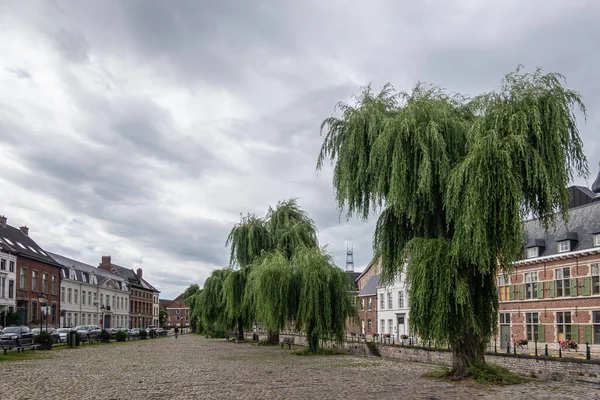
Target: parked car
x=85 y=329
x=53 y=332
x=135 y=332
x=63 y=333
x=16 y=332
x=161 y=332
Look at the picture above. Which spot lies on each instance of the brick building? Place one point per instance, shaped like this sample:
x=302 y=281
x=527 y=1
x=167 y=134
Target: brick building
x=367 y=283
x=178 y=314
x=553 y=294
x=142 y=295
x=37 y=277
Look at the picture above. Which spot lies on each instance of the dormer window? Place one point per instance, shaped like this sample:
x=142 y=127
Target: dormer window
x=533 y=252
x=72 y=274
x=564 y=246
x=597 y=239
x=93 y=280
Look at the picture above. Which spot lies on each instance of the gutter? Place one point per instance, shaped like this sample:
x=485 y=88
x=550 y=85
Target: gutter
x=560 y=256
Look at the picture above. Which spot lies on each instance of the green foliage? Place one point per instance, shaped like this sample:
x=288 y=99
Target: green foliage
x=104 y=335
x=439 y=373
x=143 y=333
x=266 y=342
x=290 y=227
x=121 y=336
x=494 y=374
x=190 y=291
x=43 y=338
x=320 y=352
x=456 y=176
x=13 y=318
x=162 y=317
x=248 y=239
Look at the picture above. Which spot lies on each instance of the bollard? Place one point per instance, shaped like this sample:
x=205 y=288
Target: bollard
x=536 y=353
x=393 y=337
x=495 y=346
x=428 y=343
x=588 y=355
x=515 y=350
x=546 y=350
x=410 y=341
x=559 y=351
x=508 y=348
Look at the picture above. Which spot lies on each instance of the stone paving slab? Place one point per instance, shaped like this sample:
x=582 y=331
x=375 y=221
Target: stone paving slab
x=192 y=367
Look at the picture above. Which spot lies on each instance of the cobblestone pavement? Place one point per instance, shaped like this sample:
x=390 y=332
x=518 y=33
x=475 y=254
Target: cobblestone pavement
x=192 y=367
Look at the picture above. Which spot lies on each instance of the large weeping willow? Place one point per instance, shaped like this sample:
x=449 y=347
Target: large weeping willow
x=455 y=177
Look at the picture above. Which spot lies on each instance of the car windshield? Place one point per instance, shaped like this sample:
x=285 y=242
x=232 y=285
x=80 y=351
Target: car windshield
x=12 y=329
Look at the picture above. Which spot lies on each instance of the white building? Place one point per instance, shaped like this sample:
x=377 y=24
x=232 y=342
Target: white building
x=393 y=308
x=155 y=310
x=91 y=296
x=8 y=280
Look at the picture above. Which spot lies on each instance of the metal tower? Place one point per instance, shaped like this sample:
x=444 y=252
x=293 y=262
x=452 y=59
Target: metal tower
x=350 y=258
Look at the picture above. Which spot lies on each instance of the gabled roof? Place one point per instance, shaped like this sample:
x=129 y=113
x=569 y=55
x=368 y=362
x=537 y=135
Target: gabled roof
x=85 y=270
x=584 y=221
x=370 y=288
x=16 y=242
x=374 y=261
x=130 y=276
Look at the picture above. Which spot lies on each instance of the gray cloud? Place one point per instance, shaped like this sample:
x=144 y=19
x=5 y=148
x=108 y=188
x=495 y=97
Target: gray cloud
x=142 y=129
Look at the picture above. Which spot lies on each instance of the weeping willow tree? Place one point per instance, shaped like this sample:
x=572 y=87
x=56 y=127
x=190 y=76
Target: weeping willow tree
x=212 y=305
x=454 y=178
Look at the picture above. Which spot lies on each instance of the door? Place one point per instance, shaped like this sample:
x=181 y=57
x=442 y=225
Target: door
x=401 y=323
x=504 y=336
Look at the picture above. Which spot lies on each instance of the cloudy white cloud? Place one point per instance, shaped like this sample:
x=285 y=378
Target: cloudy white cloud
x=142 y=129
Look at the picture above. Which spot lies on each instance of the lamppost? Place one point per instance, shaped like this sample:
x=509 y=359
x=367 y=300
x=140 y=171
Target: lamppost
x=102 y=308
x=41 y=300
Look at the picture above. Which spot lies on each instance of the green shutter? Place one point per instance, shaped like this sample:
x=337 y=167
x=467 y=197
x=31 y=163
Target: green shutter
x=573 y=286
x=587 y=333
x=586 y=289
x=541 y=333
x=551 y=286
x=521 y=292
x=540 y=290
x=511 y=292
x=575 y=333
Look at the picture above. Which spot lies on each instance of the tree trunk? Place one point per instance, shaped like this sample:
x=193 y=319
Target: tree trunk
x=465 y=352
x=240 y=328
x=273 y=338
x=312 y=338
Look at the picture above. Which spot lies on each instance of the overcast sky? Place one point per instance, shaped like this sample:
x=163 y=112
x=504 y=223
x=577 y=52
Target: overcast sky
x=142 y=129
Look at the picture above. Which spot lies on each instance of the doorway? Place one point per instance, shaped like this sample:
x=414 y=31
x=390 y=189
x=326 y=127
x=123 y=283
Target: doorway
x=504 y=330
x=401 y=324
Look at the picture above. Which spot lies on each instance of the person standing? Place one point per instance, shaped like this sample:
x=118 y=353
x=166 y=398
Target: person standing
x=176 y=332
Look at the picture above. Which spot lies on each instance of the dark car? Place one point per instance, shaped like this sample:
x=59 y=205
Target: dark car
x=16 y=332
x=53 y=332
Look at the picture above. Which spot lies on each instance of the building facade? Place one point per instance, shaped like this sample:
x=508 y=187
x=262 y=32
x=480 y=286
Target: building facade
x=91 y=296
x=141 y=294
x=393 y=308
x=366 y=283
x=8 y=282
x=37 y=278
x=178 y=314
x=553 y=293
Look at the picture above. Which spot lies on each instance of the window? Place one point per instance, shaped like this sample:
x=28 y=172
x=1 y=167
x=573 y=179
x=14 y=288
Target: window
x=187 y=311
x=531 y=325
x=2 y=287
x=34 y=281
x=101 y=299
x=505 y=318
x=401 y=299
x=95 y=297
x=11 y=266
x=53 y=312
x=597 y=239
x=504 y=287
x=89 y=319
x=595 y=279
x=532 y=252
x=45 y=283
x=564 y=246
x=3 y=264
x=34 y=310
x=90 y=298
x=75 y=319
x=11 y=289
x=22 y=278
x=113 y=302
x=76 y=297
x=362 y=304
x=83 y=297
x=390 y=302
x=390 y=326
x=69 y=317
x=69 y=295
x=370 y=304
x=531 y=285
x=382 y=326
x=53 y=284
x=381 y=302
x=563 y=325
x=62 y=294
x=369 y=324
x=596 y=327
x=562 y=282
x=108 y=300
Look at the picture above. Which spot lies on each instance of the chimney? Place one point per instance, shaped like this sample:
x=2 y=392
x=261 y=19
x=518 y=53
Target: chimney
x=25 y=230
x=139 y=273
x=3 y=220
x=105 y=264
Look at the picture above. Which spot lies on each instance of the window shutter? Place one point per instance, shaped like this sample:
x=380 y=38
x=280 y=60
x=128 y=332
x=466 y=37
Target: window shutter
x=587 y=333
x=551 y=285
x=541 y=333
x=573 y=286
x=575 y=333
x=586 y=289
x=511 y=294
x=540 y=290
x=521 y=292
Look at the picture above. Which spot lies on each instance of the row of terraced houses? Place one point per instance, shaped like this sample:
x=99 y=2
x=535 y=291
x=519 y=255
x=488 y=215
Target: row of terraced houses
x=552 y=294
x=48 y=288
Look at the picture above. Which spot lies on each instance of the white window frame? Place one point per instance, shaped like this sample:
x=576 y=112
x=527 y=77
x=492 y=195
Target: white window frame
x=564 y=246
x=533 y=252
x=597 y=240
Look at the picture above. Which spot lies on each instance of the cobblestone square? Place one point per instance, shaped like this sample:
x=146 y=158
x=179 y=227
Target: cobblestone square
x=192 y=367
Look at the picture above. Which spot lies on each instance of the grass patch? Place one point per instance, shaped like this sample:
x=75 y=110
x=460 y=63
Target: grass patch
x=26 y=355
x=265 y=342
x=493 y=374
x=440 y=373
x=319 y=352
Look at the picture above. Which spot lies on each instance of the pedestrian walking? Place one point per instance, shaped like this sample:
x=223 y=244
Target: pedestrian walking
x=176 y=332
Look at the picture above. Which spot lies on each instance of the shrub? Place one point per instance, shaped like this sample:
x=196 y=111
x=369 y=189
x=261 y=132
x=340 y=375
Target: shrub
x=104 y=335
x=143 y=333
x=320 y=352
x=490 y=373
x=43 y=338
x=440 y=373
x=121 y=336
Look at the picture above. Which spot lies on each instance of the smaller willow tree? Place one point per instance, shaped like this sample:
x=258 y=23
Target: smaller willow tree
x=455 y=177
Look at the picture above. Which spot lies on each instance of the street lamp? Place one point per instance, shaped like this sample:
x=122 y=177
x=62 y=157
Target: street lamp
x=41 y=300
x=102 y=308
